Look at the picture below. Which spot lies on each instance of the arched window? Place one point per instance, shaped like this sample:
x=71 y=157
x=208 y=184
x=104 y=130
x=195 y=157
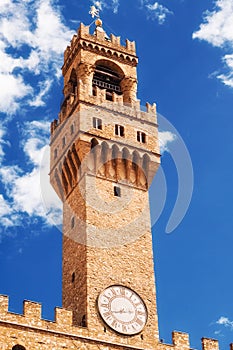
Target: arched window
x=106 y=77
x=73 y=82
x=18 y=347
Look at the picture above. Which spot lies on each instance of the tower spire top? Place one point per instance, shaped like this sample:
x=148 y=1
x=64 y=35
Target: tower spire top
x=94 y=12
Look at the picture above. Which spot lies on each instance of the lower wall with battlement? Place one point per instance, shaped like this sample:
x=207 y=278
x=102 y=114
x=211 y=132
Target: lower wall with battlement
x=32 y=332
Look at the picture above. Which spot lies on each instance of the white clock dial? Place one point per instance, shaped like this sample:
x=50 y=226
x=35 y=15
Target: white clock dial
x=122 y=309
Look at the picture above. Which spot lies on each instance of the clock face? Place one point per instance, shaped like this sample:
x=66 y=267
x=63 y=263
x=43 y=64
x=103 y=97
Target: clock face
x=122 y=309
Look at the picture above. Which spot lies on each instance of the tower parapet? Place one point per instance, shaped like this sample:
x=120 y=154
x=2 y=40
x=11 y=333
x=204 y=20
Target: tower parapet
x=108 y=46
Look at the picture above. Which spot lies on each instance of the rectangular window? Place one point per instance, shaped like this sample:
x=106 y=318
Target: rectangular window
x=63 y=141
x=141 y=137
x=119 y=130
x=55 y=153
x=72 y=129
x=117 y=191
x=97 y=123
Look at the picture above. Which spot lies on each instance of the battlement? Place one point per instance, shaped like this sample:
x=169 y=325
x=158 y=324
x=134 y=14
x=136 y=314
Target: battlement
x=180 y=341
x=100 y=43
x=31 y=316
x=133 y=109
x=63 y=331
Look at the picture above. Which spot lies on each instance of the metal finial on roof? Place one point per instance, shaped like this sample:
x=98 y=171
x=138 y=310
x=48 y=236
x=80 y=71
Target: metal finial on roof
x=94 y=12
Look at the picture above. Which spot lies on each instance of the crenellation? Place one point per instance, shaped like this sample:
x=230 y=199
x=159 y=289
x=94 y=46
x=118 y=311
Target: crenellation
x=99 y=42
x=83 y=30
x=63 y=316
x=32 y=310
x=130 y=45
x=116 y=40
x=113 y=41
x=180 y=340
x=118 y=106
x=100 y=36
x=4 y=304
x=73 y=41
x=151 y=108
x=209 y=344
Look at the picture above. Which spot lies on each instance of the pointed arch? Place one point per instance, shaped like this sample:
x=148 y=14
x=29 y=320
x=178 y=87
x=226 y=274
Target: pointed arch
x=73 y=82
x=127 y=159
x=94 y=142
x=103 y=158
x=104 y=152
x=108 y=75
x=145 y=167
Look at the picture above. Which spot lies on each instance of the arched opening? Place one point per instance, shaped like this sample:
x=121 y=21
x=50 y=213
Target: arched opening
x=107 y=76
x=115 y=154
x=73 y=82
x=18 y=347
x=136 y=160
x=94 y=143
x=145 y=167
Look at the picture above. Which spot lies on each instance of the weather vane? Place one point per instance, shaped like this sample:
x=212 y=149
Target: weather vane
x=94 y=12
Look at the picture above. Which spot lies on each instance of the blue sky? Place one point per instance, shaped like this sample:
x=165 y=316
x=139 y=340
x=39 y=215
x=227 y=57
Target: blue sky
x=185 y=50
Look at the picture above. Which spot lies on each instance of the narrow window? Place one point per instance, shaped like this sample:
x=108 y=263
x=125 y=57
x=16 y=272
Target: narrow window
x=119 y=130
x=72 y=129
x=97 y=123
x=55 y=153
x=141 y=137
x=94 y=91
x=63 y=141
x=117 y=191
x=72 y=222
x=109 y=96
x=73 y=277
x=84 y=322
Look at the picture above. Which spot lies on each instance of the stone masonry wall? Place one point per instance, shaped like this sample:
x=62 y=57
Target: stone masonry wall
x=34 y=333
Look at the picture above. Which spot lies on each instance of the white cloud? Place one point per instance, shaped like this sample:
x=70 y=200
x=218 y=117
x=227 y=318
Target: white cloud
x=165 y=137
x=30 y=192
x=102 y=4
x=99 y=4
x=155 y=11
x=115 y=5
x=8 y=217
x=5 y=208
x=217 y=30
x=38 y=28
x=12 y=90
x=44 y=89
x=227 y=78
x=225 y=322
x=2 y=142
x=158 y=12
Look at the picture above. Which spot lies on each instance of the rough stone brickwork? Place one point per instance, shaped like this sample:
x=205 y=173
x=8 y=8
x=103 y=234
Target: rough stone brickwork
x=102 y=176
x=34 y=333
x=107 y=239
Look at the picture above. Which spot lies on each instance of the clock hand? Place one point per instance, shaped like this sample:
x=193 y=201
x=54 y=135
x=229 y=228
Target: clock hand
x=122 y=311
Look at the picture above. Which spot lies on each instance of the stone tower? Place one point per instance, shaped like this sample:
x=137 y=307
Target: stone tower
x=104 y=155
